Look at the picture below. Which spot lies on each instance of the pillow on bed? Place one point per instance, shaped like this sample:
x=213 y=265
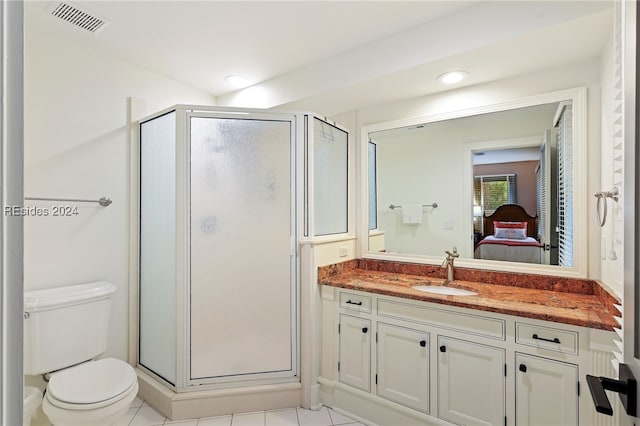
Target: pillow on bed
x=510 y=230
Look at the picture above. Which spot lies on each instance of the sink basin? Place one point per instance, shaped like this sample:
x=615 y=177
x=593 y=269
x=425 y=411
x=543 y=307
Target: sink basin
x=449 y=291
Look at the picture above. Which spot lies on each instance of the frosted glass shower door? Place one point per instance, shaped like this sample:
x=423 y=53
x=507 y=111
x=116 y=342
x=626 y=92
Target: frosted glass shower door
x=242 y=296
x=157 y=321
x=330 y=180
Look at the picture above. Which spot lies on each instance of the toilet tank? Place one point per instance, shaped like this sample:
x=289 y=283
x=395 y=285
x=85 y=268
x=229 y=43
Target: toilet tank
x=64 y=326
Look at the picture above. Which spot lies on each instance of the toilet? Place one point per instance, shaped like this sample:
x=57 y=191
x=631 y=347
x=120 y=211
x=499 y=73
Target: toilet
x=65 y=330
x=31 y=399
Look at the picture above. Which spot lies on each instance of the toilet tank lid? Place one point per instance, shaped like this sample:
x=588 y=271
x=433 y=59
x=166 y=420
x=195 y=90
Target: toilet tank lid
x=52 y=298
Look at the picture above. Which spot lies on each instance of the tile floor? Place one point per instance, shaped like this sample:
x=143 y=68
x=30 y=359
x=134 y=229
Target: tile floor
x=142 y=414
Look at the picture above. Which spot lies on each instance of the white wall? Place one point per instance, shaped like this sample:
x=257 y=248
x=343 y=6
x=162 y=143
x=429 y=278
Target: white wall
x=76 y=145
x=406 y=176
x=611 y=248
x=575 y=75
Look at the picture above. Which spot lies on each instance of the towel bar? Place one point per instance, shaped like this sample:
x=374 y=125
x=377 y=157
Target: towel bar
x=104 y=201
x=395 y=206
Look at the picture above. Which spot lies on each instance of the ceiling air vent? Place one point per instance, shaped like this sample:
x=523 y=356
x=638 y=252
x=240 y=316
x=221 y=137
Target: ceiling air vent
x=77 y=16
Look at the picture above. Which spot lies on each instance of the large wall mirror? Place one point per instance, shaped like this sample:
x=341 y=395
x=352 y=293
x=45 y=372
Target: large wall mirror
x=504 y=184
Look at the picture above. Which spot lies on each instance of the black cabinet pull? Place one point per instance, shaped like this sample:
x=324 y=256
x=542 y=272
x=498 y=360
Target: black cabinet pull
x=443 y=348
x=365 y=329
x=523 y=368
x=423 y=343
x=353 y=303
x=555 y=339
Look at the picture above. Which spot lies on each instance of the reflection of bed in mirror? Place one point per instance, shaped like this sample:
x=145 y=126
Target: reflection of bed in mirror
x=510 y=234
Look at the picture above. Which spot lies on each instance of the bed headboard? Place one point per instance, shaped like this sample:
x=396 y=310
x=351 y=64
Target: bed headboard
x=511 y=213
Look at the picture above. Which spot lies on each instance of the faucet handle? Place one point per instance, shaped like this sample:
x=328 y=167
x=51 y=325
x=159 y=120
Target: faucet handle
x=453 y=254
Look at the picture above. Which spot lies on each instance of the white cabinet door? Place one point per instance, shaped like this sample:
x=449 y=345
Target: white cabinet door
x=546 y=392
x=403 y=366
x=354 y=362
x=471 y=383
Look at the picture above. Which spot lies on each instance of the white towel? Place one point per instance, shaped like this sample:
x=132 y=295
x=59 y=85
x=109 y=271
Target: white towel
x=412 y=213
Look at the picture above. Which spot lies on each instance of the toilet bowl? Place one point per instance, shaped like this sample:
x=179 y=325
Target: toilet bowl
x=31 y=399
x=94 y=393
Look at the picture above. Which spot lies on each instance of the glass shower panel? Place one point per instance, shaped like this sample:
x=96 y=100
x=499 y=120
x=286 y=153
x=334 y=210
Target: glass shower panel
x=158 y=246
x=241 y=248
x=330 y=152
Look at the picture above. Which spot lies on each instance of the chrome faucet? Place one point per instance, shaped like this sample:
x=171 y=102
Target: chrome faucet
x=448 y=263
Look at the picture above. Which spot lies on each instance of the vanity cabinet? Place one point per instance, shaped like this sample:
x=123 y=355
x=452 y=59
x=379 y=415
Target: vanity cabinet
x=354 y=361
x=402 y=373
x=471 y=383
x=547 y=391
x=393 y=360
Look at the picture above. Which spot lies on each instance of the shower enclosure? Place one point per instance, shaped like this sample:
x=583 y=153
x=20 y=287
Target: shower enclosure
x=224 y=195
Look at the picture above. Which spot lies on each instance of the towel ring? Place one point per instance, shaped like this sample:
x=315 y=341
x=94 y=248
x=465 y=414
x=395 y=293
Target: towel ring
x=602 y=199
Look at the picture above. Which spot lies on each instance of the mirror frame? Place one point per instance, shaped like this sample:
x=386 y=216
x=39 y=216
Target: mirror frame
x=578 y=97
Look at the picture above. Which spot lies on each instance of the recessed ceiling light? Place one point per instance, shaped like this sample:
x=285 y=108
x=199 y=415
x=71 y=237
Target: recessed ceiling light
x=453 y=77
x=237 y=81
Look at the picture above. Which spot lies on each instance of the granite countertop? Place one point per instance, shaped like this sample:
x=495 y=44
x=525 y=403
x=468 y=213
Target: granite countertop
x=569 y=301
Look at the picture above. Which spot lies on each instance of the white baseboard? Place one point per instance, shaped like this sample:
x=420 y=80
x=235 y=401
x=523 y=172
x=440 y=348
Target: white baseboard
x=371 y=409
x=209 y=403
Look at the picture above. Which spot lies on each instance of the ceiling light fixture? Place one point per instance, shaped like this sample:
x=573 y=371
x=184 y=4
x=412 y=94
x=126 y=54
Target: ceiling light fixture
x=452 y=77
x=237 y=81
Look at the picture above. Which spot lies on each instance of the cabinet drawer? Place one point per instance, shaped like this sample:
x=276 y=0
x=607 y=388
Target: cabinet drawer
x=547 y=338
x=466 y=323
x=355 y=302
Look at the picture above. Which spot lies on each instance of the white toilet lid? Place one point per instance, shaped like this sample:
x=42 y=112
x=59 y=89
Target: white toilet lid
x=92 y=382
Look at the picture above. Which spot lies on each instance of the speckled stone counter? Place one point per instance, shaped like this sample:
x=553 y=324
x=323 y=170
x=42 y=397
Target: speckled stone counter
x=572 y=301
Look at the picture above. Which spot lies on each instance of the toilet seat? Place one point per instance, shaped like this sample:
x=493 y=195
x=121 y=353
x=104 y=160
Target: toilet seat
x=91 y=385
x=89 y=416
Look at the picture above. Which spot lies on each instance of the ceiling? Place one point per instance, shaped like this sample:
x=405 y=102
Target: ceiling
x=335 y=56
